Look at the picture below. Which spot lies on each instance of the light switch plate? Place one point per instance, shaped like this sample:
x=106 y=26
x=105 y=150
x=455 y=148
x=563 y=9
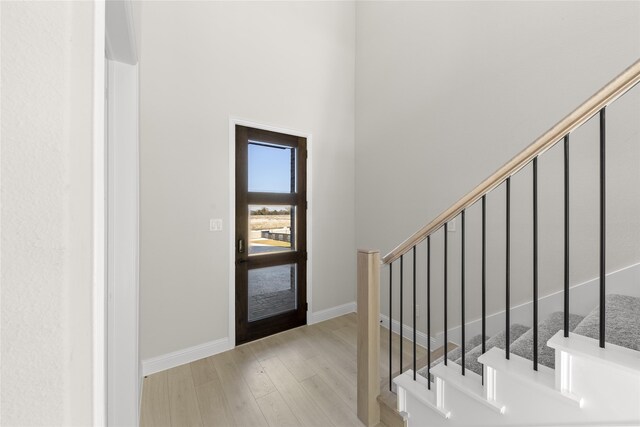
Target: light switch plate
x=215 y=224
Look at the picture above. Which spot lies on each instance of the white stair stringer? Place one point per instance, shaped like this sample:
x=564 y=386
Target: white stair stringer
x=591 y=386
x=605 y=380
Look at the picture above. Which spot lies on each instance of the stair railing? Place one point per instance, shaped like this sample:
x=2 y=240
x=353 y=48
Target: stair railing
x=595 y=105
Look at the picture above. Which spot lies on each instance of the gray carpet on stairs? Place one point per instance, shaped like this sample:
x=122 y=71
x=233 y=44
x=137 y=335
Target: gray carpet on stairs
x=474 y=349
x=523 y=346
x=472 y=343
x=455 y=353
x=622 y=316
x=498 y=340
x=622 y=328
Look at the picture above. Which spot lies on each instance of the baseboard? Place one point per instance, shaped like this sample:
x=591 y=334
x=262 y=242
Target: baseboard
x=191 y=354
x=330 y=313
x=407 y=332
x=583 y=297
x=140 y=389
x=188 y=355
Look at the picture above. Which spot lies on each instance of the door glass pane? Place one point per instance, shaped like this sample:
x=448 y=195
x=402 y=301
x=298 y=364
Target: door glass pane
x=271 y=229
x=271 y=168
x=272 y=290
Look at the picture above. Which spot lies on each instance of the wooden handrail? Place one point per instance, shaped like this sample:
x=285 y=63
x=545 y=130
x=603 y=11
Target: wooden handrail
x=605 y=96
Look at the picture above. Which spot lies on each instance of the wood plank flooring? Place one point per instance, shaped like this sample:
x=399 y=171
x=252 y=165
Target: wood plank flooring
x=302 y=377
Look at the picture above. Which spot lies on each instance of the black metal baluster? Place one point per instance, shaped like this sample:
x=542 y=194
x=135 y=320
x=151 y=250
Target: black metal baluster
x=566 y=235
x=462 y=324
x=508 y=272
x=484 y=275
x=535 y=263
x=603 y=218
x=390 y=324
x=401 y=304
x=414 y=313
x=446 y=226
x=429 y=312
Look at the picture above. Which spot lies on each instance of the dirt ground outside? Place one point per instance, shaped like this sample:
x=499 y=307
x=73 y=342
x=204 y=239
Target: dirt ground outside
x=269 y=222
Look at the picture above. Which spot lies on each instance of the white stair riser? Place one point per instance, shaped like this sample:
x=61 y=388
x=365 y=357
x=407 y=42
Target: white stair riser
x=610 y=396
x=606 y=389
x=462 y=410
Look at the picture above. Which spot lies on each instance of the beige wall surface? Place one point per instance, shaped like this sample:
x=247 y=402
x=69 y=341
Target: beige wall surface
x=286 y=64
x=447 y=92
x=47 y=94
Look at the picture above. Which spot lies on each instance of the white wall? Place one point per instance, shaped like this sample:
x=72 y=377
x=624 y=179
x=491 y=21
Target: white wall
x=286 y=64
x=47 y=92
x=446 y=92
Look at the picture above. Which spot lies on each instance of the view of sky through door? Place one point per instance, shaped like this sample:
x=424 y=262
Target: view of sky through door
x=271 y=170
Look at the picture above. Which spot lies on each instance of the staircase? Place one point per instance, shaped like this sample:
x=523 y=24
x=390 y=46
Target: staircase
x=507 y=397
x=567 y=358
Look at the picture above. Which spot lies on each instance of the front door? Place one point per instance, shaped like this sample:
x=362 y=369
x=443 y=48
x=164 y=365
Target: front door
x=271 y=233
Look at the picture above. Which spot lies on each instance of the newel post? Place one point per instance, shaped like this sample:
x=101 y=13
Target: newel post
x=368 y=336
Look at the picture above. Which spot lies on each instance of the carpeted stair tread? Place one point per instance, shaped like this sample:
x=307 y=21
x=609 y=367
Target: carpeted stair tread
x=456 y=352
x=498 y=340
x=523 y=346
x=622 y=316
x=622 y=328
x=472 y=343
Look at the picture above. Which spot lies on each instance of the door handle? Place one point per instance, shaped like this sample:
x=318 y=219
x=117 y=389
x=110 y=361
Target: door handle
x=241 y=246
x=241 y=261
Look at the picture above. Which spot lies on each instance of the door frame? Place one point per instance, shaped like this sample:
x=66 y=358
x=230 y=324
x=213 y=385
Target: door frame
x=116 y=364
x=99 y=249
x=124 y=379
x=233 y=121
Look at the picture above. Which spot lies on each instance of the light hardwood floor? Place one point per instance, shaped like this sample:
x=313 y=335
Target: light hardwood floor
x=302 y=377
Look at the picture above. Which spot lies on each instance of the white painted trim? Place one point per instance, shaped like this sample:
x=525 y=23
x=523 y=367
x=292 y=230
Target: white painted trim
x=99 y=242
x=524 y=396
x=141 y=388
x=418 y=390
x=583 y=300
x=309 y=223
x=469 y=384
x=188 y=355
x=123 y=379
x=612 y=355
x=330 y=313
x=233 y=121
x=232 y=232
x=564 y=374
x=519 y=368
x=621 y=281
x=407 y=332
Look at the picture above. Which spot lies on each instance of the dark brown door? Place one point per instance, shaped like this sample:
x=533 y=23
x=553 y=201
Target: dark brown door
x=271 y=233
